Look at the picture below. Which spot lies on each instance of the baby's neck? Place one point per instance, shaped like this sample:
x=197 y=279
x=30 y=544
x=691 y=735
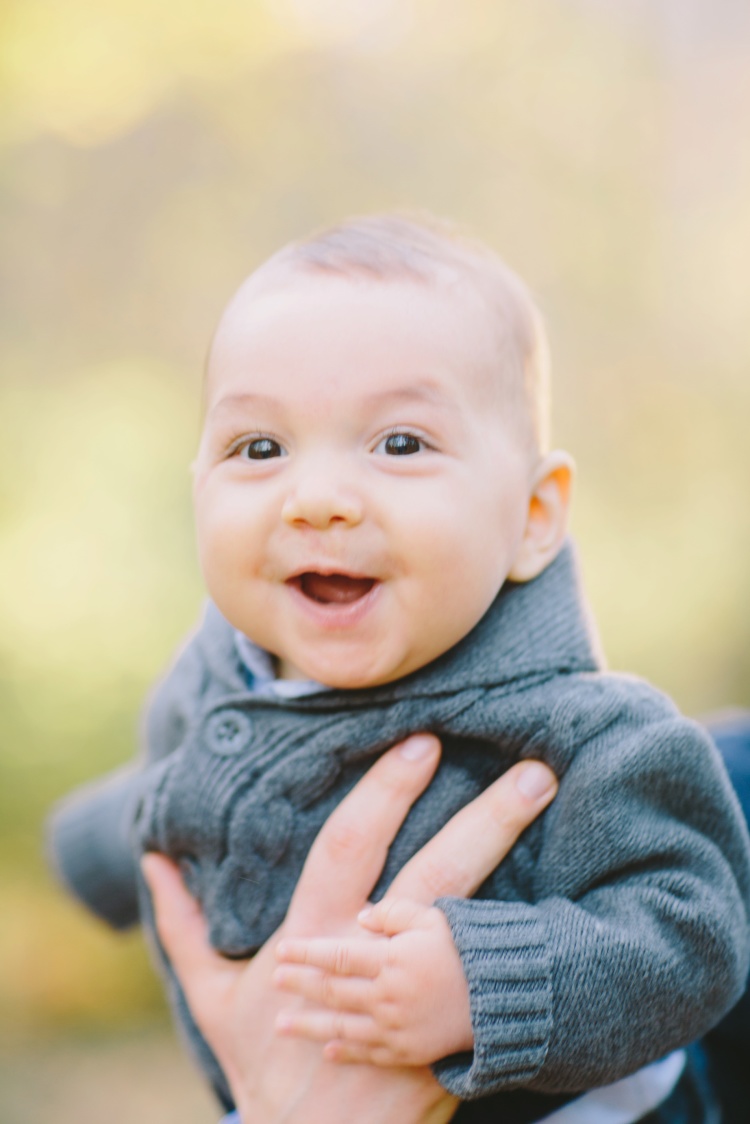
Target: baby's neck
x=286 y=670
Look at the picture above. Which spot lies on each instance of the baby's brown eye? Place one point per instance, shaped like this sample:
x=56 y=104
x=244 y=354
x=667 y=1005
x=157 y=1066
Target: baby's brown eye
x=262 y=448
x=401 y=444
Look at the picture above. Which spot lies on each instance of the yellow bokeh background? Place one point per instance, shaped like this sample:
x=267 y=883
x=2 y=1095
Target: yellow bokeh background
x=152 y=154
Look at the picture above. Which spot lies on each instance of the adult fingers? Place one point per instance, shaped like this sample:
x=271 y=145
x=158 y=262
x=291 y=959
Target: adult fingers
x=458 y=859
x=349 y=853
x=182 y=928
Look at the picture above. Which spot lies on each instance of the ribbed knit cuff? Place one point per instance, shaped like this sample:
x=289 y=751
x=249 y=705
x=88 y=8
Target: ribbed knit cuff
x=88 y=841
x=506 y=958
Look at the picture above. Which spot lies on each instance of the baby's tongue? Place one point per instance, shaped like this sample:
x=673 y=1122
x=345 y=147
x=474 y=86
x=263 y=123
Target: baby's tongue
x=335 y=587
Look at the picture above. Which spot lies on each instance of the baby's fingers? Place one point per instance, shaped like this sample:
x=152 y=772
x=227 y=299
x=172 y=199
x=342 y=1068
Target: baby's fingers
x=357 y=957
x=350 y=1053
x=324 y=1026
x=339 y=993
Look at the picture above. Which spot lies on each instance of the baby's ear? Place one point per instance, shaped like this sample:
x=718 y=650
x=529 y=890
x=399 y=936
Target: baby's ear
x=547 y=517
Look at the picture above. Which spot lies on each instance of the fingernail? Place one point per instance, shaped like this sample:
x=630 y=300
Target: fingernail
x=417 y=747
x=364 y=913
x=535 y=781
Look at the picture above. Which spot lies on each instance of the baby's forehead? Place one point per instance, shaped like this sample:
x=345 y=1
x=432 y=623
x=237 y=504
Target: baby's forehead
x=402 y=322
x=279 y=306
x=282 y=285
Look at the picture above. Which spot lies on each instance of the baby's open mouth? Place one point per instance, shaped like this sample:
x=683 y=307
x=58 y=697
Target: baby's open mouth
x=332 y=589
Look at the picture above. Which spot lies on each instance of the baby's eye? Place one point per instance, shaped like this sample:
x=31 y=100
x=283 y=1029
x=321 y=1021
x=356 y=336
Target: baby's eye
x=400 y=445
x=261 y=449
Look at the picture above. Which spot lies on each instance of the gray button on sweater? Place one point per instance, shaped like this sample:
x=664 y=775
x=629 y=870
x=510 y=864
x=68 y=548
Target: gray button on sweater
x=615 y=931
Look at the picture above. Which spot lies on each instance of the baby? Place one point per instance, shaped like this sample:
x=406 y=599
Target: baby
x=382 y=531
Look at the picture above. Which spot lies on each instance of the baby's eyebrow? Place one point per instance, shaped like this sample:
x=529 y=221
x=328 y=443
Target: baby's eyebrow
x=418 y=392
x=234 y=402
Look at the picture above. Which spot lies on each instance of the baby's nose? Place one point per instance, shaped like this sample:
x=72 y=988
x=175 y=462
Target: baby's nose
x=321 y=502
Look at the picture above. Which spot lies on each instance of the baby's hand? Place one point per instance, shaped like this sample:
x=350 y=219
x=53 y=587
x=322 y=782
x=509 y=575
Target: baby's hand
x=399 y=998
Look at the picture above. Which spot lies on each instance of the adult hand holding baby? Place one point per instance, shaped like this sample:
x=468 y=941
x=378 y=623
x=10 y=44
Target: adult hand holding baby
x=277 y=1078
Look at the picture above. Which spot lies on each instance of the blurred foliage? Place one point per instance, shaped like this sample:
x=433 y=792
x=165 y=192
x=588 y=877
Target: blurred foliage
x=153 y=154
x=134 y=1076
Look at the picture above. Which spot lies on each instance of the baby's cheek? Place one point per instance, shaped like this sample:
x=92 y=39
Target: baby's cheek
x=220 y=529
x=212 y=550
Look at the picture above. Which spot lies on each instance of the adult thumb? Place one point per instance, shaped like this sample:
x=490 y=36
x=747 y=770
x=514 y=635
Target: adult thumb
x=180 y=923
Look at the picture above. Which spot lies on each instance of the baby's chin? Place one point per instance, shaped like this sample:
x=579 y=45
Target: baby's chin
x=343 y=680
x=344 y=675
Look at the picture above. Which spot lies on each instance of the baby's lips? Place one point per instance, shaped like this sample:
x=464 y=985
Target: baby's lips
x=334 y=588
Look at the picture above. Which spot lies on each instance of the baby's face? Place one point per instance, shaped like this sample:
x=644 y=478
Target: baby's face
x=360 y=494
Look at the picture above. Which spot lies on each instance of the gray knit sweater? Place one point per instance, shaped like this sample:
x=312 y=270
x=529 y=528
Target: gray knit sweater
x=615 y=931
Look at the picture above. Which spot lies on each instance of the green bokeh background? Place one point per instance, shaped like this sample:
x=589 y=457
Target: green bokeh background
x=151 y=155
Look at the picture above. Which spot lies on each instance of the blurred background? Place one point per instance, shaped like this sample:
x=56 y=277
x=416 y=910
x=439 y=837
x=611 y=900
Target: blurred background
x=152 y=154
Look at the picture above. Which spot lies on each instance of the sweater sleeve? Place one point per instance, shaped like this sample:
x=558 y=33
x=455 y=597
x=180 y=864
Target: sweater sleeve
x=636 y=937
x=88 y=842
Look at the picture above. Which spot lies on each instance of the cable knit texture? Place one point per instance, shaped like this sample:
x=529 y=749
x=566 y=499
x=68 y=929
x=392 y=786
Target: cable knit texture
x=614 y=932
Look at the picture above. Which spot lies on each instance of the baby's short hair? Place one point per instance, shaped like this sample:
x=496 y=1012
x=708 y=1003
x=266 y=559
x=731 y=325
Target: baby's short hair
x=422 y=248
